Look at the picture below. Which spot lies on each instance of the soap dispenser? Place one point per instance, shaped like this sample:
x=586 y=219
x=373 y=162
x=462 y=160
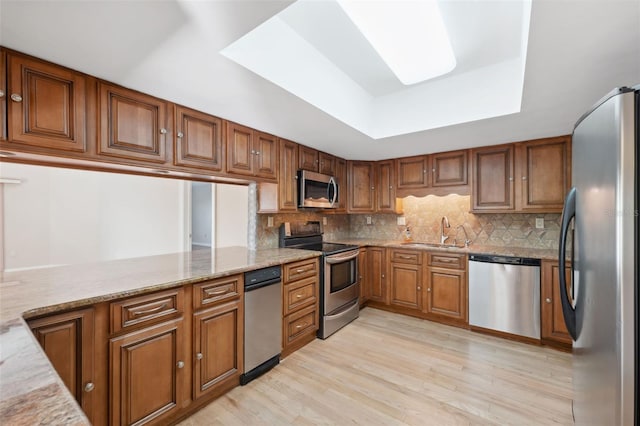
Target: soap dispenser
x=407 y=234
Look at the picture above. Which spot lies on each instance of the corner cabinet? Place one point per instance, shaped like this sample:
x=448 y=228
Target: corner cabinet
x=251 y=153
x=553 y=329
x=385 y=182
x=46 y=105
x=68 y=341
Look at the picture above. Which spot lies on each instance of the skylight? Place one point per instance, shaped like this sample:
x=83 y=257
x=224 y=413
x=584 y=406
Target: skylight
x=410 y=36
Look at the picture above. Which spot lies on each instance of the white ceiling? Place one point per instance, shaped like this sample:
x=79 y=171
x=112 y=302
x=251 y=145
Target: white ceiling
x=578 y=50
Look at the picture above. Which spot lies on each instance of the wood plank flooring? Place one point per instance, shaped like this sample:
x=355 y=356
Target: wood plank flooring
x=390 y=369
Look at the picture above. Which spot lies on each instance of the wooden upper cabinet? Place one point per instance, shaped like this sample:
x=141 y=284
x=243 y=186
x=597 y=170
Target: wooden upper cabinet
x=3 y=95
x=308 y=159
x=385 y=182
x=553 y=328
x=327 y=164
x=343 y=189
x=133 y=125
x=449 y=168
x=46 y=105
x=493 y=171
x=361 y=187
x=545 y=173
x=198 y=140
x=413 y=172
x=68 y=341
x=251 y=153
x=288 y=182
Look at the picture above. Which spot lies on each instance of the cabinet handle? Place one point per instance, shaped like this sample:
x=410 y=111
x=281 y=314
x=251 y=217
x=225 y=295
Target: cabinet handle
x=390 y=187
x=217 y=292
x=1 y=93
x=298 y=296
x=510 y=179
x=428 y=289
x=382 y=275
x=253 y=151
x=257 y=152
x=180 y=134
x=299 y=326
x=89 y=387
x=524 y=178
x=299 y=271
x=424 y=171
x=163 y=131
x=406 y=257
x=150 y=311
x=198 y=355
x=180 y=364
x=445 y=260
x=373 y=188
x=547 y=300
x=16 y=98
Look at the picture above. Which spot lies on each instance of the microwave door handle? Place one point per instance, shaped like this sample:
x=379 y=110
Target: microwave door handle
x=334 y=185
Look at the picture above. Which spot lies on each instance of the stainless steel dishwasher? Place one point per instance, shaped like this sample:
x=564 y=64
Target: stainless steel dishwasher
x=504 y=294
x=262 y=322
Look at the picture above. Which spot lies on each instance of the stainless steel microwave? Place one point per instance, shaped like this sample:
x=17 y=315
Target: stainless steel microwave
x=317 y=190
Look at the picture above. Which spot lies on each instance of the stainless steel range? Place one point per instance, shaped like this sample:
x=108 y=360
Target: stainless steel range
x=339 y=287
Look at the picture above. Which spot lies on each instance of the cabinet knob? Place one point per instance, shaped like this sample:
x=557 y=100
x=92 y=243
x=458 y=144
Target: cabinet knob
x=1 y=93
x=163 y=131
x=524 y=178
x=373 y=188
x=88 y=387
x=180 y=364
x=547 y=300
x=382 y=275
x=253 y=151
x=418 y=288
x=428 y=289
x=180 y=134
x=199 y=355
x=390 y=187
x=257 y=152
x=433 y=170
x=424 y=171
x=510 y=179
x=16 y=98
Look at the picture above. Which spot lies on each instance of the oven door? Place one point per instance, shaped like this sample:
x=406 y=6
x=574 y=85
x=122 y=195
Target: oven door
x=340 y=280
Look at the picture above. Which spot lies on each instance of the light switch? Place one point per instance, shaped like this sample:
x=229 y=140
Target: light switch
x=539 y=223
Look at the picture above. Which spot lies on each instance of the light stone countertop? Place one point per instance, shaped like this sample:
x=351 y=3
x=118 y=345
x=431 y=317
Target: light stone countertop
x=543 y=254
x=30 y=390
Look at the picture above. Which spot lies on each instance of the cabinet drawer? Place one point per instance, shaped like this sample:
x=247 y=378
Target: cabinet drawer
x=299 y=294
x=452 y=261
x=210 y=292
x=300 y=324
x=146 y=309
x=406 y=256
x=298 y=270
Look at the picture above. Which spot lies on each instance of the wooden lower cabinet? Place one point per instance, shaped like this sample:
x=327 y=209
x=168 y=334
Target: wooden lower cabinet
x=377 y=274
x=553 y=329
x=147 y=374
x=218 y=348
x=363 y=266
x=446 y=295
x=68 y=341
x=405 y=278
x=300 y=304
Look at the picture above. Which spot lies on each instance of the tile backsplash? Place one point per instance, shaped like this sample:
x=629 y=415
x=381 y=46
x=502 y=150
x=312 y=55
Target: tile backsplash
x=423 y=216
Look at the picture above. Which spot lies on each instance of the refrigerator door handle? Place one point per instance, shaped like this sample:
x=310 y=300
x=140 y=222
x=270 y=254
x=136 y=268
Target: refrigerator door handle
x=568 y=311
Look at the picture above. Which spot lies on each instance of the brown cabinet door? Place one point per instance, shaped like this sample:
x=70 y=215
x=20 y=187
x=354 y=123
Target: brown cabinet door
x=449 y=168
x=288 y=182
x=405 y=285
x=308 y=159
x=132 y=125
x=386 y=196
x=446 y=295
x=327 y=164
x=67 y=339
x=493 y=171
x=240 y=151
x=46 y=105
x=3 y=95
x=361 y=187
x=217 y=347
x=545 y=173
x=265 y=155
x=341 y=180
x=363 y=267
x=553 y=326
x=377 y=274
x=413 y=172
x=198 y=140
x=146 y=374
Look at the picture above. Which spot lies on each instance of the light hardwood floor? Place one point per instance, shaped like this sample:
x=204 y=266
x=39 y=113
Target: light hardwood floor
x=390 y=369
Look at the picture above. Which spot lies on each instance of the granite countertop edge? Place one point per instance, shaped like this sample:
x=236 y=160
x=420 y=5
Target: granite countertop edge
x=31 y=392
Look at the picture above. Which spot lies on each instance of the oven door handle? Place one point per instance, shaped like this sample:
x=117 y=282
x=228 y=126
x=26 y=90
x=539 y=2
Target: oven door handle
x=342 y=257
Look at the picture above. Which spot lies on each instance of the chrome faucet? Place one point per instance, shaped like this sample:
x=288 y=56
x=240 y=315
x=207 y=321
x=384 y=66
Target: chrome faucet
x=467 y=241
x=444 y=223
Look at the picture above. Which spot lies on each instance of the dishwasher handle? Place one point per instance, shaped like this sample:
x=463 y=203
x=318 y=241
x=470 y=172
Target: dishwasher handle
x=507 y=260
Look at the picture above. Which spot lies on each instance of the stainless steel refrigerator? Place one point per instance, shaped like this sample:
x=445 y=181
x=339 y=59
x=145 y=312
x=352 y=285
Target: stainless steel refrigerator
x=599 y=235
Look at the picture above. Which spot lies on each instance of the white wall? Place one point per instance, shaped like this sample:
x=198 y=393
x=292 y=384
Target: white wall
x=201 y=213
x=62 y=216
x=232 y=215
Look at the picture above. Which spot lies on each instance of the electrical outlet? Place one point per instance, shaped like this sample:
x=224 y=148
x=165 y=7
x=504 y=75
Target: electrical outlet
x=324 y=220
x=270 y=221
x=368 y=220
x=539 y=223
x=402 y=221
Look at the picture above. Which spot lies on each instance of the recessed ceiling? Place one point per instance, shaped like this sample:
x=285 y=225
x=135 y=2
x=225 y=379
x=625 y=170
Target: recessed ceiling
x=577 y=52
x=313 y=50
